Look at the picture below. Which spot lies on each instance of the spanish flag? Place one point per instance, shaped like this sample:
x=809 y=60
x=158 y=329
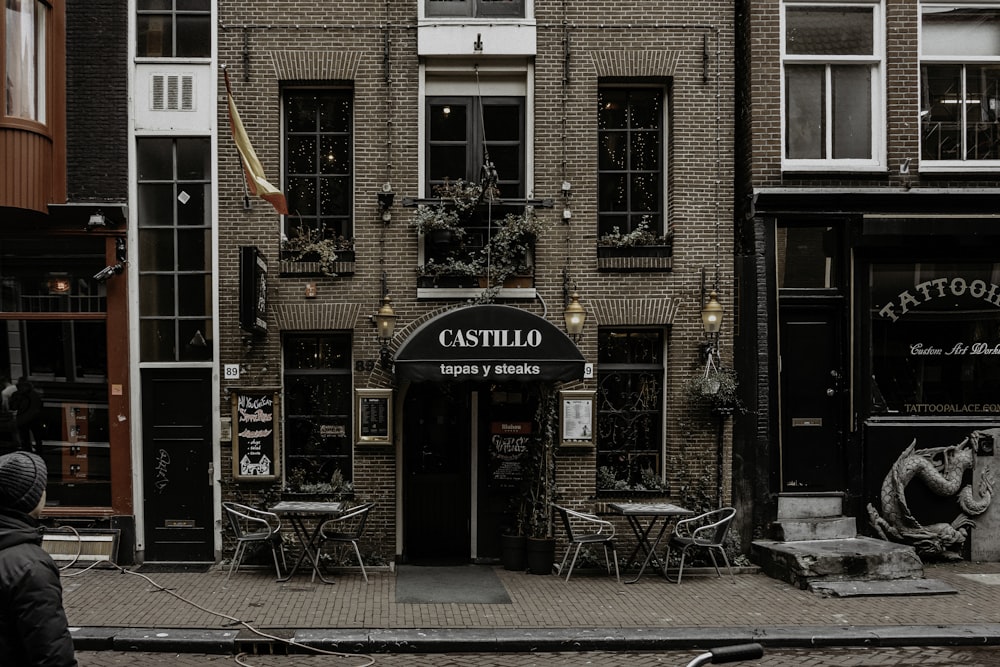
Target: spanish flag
x=252 y=168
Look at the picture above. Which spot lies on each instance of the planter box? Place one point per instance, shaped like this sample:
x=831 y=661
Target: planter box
x=635 y=258
x=344 y=266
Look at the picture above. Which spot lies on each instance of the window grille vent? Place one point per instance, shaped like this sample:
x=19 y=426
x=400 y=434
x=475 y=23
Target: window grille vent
x=172 y=92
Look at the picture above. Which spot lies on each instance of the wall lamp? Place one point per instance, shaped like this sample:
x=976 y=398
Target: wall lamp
x=575 y=316
x=385 y=324
x=711 y=322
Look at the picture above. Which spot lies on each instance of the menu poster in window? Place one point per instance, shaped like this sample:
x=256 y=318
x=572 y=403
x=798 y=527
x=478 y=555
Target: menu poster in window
x=255 y=445
x=508 y=442
x=577 y=418
x=374 y=417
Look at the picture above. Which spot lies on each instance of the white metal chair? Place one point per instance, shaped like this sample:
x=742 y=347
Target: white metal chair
x=582 y=528
x=347 y=529
x=706 y=532
x=256 y=528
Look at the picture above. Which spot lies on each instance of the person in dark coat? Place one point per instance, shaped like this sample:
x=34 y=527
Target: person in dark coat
x=33 y=626
x=26 y=402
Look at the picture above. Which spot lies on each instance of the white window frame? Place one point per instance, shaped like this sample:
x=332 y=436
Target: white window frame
x=962 y=165
x=877 y=161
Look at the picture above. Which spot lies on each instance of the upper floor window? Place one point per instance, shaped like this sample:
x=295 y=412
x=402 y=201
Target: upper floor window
x=24 y=24
x=174 y=28
x=832 y=58
x=319 y=167
x=475 y=8
x=960 y=85
x=630 y=173
x=175 y=248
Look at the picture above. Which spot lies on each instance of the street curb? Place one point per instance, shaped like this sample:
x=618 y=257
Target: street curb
x=518 y=640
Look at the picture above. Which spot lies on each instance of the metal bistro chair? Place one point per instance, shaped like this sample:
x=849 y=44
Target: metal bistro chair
x=707 y=532
x=347 y=529
x=581 y=529
x=254 y=527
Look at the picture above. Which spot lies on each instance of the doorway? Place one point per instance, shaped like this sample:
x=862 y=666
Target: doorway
x=813 y=396
x=177 y=457
x=437 y=473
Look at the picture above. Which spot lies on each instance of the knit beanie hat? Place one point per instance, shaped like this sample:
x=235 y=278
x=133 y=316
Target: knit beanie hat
x=23 y=477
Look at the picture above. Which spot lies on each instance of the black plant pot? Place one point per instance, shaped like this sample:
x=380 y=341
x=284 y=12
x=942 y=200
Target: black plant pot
x=541 y=554
x=512 y=552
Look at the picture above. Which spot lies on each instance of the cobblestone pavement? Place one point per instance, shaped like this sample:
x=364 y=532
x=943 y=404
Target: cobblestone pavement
x=891 y=657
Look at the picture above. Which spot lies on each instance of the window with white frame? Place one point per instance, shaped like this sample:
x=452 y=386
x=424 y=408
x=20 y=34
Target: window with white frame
x=832 y=57
x=475 y=8
x=174 y=28
x=960 y=85
x=24 y=24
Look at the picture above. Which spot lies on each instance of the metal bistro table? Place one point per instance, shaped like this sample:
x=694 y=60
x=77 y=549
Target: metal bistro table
x=643 y=517
x=297 y=513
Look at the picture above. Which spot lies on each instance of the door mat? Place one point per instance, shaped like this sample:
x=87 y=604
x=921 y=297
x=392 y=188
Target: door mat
x=471 y=584
x=172 y=568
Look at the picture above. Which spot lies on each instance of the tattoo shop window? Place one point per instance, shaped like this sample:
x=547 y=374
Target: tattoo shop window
x=174 y=28
x=318 y=412
x=935 y=345
x=630 y=410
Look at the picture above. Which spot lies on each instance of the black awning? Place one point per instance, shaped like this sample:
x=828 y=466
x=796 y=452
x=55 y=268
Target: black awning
x=488 y=343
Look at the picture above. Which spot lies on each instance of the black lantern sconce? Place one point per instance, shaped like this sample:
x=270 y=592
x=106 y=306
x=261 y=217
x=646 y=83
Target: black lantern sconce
x=385 y=324
x=711 y=322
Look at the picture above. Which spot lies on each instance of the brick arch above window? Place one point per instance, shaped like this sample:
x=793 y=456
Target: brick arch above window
x=633 y=64
x=316 y=65
x=312 y=317
x=633 y=312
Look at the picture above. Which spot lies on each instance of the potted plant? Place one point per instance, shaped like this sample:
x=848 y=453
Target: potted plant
x=443 y=222
x=638 y=249
x=716 y=389
x=327 y=255
x=538 y=490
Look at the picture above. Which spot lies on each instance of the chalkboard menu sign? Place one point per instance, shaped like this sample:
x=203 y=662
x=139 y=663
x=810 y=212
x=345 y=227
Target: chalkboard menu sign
x=374 y=417
x=255 y=442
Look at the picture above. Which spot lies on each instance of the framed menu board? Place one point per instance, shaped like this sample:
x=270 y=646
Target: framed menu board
x=374 y=417
x=577 y=418
x=254 y=431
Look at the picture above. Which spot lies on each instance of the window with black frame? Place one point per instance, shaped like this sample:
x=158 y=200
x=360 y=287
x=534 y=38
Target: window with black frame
x=319 y=175
x=175 y=248
x=174 y=28
x=318 y=412
x=935 y=338
x=630 y=410
x=630 y=172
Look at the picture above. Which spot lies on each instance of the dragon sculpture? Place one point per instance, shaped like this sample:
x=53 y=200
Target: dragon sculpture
x=942 y=470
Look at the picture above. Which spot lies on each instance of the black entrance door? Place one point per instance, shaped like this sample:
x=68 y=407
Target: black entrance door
x=813 y=397
x=177 y=456
x=436 y=473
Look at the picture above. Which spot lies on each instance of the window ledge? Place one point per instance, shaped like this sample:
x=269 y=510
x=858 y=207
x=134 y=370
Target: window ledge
x=953 y=167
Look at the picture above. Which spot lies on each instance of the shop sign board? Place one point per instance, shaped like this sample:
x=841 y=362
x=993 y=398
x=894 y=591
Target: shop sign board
x=254 y=435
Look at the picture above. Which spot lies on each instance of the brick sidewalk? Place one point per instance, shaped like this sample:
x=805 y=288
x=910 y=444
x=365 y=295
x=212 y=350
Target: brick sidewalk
x=111 y=599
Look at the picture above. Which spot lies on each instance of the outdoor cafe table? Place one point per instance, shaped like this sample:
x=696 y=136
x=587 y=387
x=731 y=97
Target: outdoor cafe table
x=643 y=517
x=298 y=512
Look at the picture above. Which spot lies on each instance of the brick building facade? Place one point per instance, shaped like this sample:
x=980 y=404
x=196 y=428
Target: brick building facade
x=547 y=84
x=871 y=176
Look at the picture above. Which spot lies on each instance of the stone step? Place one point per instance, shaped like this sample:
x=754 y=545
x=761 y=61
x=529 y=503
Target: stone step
x=825 y=528
x=810 y=505
x=854 y=559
